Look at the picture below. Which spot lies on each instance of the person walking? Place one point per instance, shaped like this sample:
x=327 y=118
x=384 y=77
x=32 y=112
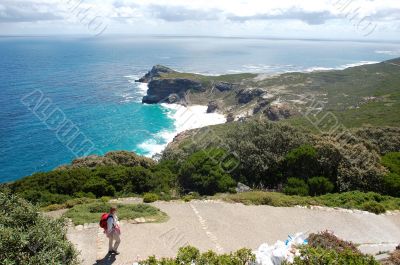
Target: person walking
x=113 y=231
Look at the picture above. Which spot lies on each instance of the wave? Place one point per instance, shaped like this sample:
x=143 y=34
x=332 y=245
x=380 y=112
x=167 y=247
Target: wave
x=136 y=92
x=387 y=52
x=341 y=67
x=184 y=118
x=287 y=68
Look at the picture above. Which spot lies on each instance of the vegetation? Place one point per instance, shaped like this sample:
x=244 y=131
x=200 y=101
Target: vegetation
x=27 y=237
x=203 y=172
x=348 y=200
x=326 y=248
x=257 y=153
x=317 y=256
x=91 y=212
x=296 y=186
x=150 y=197
x=394 y=257
x=63 y=185
x=319 y=186
x=391 y=181
x=190 y=255
x=329 y=241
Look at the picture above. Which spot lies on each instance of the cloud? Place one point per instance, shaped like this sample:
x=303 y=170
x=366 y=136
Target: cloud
x=26 y=11
x=309 y=17
x=387 y=15
x=181 y=13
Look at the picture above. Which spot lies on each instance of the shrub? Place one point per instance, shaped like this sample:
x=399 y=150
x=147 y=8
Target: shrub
x=202 y=172
x=327 y=240
x=373 y=207
x=295 y=186
x=391 y=181
x=394 y=257
x=27 y=237
x=392 y=162
x=391 y=184
x=319 y=186
x=302 y=162
x=189 y=255
x=99 y=187
x=318 y=256
x=386 y=139
x=150 y=197
x=261 y=147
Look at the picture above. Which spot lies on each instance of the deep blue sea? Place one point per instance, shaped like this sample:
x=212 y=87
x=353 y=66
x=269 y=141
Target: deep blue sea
x=89 y=82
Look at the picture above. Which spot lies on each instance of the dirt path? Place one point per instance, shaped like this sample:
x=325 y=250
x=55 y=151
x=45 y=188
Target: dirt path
x=225 y=227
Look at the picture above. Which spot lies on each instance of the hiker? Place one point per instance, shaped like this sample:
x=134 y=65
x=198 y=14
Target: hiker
x=113 y=231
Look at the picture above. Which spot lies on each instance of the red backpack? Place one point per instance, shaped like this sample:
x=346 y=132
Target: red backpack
x=103 y=220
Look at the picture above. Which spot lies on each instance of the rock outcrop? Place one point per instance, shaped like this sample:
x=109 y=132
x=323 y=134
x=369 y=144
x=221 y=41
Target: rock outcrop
x=248 y=94
x=276 y=113
x=212 y=106
x=166 y=89
x=155 y=72
x=230 y=117
x=160 y=90
x=225 y=86
x=262 y=104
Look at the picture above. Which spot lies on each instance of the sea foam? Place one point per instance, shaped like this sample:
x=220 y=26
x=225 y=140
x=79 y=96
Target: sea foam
x=185 y=118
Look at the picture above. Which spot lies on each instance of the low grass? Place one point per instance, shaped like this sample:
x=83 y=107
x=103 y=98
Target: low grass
x=370 y=201
x=91 y=212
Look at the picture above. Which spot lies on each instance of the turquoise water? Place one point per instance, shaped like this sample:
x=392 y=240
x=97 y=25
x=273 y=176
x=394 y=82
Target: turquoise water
x=91 y=81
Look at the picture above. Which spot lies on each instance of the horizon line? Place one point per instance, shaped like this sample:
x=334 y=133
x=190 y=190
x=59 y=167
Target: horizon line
x=195 y=36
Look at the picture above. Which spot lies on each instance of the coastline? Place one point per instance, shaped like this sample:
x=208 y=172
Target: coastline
x=196 y=116
x=184 y=118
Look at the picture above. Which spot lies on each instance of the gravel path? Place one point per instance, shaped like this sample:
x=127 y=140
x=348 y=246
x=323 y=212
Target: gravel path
x=225 y=227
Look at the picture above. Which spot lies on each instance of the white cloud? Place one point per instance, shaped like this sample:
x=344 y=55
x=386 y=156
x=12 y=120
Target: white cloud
x=283 y=18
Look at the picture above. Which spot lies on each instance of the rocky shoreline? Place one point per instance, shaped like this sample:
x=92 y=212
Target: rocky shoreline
x=232 y=95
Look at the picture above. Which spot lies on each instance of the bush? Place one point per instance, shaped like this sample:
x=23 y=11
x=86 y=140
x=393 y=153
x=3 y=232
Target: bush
x=189 y=255
x=203 y=173
x=295 y=186
x=391 y=184
x=27 y=237
x=392 y=162
x=348 y=200
x=150 y=197
x=191 y=196
x=373 y=207
x=319 y=186
x=391 y=181
x=319 y=256
x=394 y=257
x=327 y=240
x=302 y=162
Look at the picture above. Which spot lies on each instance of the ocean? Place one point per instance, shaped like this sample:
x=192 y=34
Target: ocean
x=89 y=82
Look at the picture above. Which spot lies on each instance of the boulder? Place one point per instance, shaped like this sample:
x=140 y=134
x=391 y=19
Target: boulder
x=155 y=72
x=212 y=106
x=225 y=86
x=242 y=188
x=248 y=94
x=262 y=104
x=230 y=117
x=276 y=113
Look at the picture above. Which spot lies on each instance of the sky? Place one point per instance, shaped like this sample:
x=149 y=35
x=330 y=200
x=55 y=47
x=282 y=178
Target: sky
x=308 y=19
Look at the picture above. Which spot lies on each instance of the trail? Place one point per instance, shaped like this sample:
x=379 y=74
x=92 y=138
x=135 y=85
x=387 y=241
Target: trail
x=225 y=227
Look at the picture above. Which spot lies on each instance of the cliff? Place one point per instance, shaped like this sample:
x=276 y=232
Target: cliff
x=368 y=90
